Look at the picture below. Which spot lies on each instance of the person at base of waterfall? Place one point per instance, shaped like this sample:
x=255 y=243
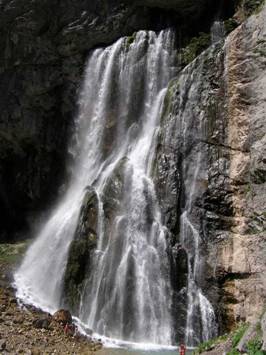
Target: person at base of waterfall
x=182 y=349
x=66 y=329
x=70 y=329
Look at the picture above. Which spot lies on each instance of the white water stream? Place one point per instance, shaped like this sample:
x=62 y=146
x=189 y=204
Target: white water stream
x=128 y=293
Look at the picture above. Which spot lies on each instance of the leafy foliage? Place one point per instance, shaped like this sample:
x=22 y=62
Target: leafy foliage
x=210 y=344
x=254 y=346
x=233 y=352
x=230 y=25
x=239 y=334
x=195 y=47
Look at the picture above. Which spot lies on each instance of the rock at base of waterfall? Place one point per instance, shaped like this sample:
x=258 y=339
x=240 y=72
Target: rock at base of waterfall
x=80 y=251
x=113 y=191
x=62 y=316
x=42 y=323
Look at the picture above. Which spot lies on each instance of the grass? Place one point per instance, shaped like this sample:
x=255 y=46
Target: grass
x=239 y=334
x=12 y=253
x=210 y=344
x=253 y=346
x=233 y=352
x=235 y=336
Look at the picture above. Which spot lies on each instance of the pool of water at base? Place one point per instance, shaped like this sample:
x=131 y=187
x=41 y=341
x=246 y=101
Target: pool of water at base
x=108 y=351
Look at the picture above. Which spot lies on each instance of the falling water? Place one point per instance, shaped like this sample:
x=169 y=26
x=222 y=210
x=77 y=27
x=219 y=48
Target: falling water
x=217 y=31
x=127 y=294
x=200 y=322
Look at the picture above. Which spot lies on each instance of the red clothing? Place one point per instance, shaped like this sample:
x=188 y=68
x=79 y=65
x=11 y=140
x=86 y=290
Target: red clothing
x=66 y=329
x=182 y=350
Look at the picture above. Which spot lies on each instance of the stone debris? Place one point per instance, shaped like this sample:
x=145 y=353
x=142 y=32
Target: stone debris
x=62 y=316
x=2 y=344
x=30 y=331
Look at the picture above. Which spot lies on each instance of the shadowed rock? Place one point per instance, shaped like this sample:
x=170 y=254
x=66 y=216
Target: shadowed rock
x=81 y=250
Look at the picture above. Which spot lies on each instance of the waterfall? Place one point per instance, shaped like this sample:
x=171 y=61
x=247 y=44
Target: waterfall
x=217 y=31
x=200 y=322
x=127 y=293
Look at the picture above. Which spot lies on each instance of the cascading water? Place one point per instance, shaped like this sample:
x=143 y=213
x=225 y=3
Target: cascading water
x=127 y=294
x=217 y=31
x=201 y=321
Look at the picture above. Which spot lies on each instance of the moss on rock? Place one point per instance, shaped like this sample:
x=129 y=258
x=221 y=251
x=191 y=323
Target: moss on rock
x=80 y=252
x=195 y=47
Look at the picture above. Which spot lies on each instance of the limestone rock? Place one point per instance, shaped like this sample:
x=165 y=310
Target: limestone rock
x=227 y=100
x=62 y=316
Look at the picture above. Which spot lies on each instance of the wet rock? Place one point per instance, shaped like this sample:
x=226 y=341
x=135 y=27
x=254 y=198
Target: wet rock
x=62 y=316
x=88 y=331
x=81 y=249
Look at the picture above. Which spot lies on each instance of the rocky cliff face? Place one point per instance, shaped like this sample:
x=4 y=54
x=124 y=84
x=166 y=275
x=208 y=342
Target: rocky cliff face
x=211 y=152
x=239 y=255
x=43 y=48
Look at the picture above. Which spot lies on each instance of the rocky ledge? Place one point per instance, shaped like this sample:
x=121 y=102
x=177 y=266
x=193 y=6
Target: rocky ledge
x=25 y=329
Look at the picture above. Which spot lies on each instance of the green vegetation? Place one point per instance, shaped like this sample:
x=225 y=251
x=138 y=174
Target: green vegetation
x=238 y=334
x=261 y=50
x=201 y=42
x=247 y=8
x=12 y=253
x=210 y=344
x=251 y=6
x=196 y=46
x=168 y=100
x=233 y=352
x=230 y=25
x=130 y=40
x=253 y=345
x=244 y=9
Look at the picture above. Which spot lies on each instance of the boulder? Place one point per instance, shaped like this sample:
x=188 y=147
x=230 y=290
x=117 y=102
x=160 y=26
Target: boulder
x=62 y=316
x=81 y=248
x=42 y=323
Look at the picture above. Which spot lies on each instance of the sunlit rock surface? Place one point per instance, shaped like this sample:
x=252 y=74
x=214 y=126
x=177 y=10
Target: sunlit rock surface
x=224 y=93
